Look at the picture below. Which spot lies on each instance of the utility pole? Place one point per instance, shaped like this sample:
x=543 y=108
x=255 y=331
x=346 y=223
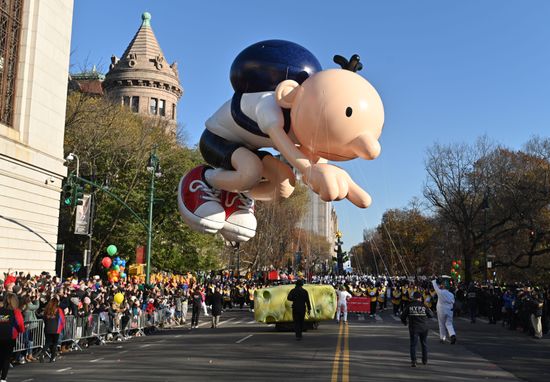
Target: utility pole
x=153 y=166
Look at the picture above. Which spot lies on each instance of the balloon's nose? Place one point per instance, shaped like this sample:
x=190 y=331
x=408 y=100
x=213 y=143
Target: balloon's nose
x=365 y=146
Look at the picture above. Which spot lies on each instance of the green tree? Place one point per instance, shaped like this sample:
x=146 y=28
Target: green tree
x=114 y=145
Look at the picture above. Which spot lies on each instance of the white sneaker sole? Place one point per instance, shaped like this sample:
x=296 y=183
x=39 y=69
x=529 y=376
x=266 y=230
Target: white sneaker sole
x=208 y=218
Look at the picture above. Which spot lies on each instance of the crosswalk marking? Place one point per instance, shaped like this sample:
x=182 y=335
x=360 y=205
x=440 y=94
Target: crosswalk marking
x=226 y=321
x=377 y=317
x=396 y=318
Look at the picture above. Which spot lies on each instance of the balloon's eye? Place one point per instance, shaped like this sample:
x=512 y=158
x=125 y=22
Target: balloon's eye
x=349 y=111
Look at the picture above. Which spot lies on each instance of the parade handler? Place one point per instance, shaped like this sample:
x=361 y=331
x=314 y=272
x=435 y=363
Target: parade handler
x=343 y=297
x=416 y=313
x=300 y=302
x=445 y=303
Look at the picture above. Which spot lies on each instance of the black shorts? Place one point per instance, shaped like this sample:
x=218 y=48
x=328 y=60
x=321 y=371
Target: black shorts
x=217 y=151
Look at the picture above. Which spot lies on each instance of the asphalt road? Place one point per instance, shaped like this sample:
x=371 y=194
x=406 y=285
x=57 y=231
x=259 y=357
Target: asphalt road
x=371 y=349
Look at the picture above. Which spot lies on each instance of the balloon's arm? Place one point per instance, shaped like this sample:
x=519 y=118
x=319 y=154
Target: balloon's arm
x=270 y=120
x=288 y=149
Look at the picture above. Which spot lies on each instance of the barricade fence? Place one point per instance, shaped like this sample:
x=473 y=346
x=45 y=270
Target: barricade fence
x=100 y=327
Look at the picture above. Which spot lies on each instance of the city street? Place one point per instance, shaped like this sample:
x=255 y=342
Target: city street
x=367 y=349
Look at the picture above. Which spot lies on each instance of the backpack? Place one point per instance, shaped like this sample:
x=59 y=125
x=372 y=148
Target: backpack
x=7 y=322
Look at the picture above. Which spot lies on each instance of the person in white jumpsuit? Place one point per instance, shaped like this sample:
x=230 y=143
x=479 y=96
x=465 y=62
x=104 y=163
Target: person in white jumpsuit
x=343 y=296
x=445 y=303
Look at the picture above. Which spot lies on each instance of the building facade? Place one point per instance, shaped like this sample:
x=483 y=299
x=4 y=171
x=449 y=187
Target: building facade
x=35 y=39
x=320 y=218
x=142 y=79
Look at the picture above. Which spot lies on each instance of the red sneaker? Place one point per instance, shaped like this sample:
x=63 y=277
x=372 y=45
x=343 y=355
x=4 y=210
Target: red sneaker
x=199 y=204
x=240 y=222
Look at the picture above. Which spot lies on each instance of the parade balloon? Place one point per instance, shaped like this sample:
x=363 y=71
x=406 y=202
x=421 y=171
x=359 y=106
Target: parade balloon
x=454 y=263
x=457 y=266
x=119 y=297
x=106 y=262
x=116 y=268
x=304 y=112
x=123 y=275
x=459 y=262
x=115 y=279
x=112 y=250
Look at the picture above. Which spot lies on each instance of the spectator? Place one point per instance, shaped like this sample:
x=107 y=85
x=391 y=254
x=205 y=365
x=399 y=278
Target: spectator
x=54 y=322
x=11 y=324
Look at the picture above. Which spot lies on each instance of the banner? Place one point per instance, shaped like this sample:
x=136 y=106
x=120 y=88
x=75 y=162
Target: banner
x=82 y=222
x=140 y=254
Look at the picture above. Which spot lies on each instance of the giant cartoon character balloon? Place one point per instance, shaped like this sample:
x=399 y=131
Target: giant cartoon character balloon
x=284 y=100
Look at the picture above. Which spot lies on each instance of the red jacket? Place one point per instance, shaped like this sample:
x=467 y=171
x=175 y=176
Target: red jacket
x=18 y=323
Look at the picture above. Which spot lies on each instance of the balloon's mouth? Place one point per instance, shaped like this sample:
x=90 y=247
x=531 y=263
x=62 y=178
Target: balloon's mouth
x=333 y=156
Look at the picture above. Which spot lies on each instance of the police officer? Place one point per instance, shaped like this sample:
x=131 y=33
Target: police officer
x=300 y=301
x=417 y=313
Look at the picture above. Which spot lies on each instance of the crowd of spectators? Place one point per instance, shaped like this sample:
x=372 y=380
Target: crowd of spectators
x=516 y=306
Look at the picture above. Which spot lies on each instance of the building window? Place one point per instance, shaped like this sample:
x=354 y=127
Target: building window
x=162 y=107
x=135 y=104
x=173 y=111
x=126 y=101
x=153 y=106
x=10 y=34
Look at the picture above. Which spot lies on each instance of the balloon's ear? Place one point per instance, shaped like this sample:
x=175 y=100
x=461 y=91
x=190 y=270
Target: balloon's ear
x=286 y=93
x=365 y=146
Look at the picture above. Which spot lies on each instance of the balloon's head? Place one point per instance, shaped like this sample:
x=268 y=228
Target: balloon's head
x=336 y=114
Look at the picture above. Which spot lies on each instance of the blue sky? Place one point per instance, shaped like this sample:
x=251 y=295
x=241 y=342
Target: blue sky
x=447 y=71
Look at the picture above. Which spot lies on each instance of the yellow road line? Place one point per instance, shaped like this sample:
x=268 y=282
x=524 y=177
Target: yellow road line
x=336 y=362
x=345 y=361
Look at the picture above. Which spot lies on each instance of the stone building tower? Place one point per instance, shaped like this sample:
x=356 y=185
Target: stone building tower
x=142 y=79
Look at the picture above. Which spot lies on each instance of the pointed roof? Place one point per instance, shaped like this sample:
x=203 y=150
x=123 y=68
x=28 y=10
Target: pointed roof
x=143 y=63
x=144 y=42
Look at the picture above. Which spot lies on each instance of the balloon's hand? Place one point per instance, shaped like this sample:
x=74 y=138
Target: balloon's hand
x=333 y=183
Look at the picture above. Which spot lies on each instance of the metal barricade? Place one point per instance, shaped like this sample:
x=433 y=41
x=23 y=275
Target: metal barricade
x=32 y=338
x=69 y=332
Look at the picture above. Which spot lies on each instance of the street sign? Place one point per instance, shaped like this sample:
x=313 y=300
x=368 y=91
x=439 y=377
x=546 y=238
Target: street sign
x=60 y=247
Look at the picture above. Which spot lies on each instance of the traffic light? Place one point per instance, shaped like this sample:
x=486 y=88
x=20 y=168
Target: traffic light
x=68 y=189
x=339 y=253
x=78 y=195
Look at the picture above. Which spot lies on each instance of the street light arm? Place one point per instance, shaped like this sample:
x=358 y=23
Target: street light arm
x=140 y=220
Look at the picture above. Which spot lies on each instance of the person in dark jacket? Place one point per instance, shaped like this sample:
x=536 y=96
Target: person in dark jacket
x=11 y=324
x=417 y=313
x=216 y=300
x=54 y=322
x=196 y=302
x=472 y=299
x=300 y=301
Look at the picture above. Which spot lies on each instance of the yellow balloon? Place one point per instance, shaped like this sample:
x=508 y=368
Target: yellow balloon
x=119 y=297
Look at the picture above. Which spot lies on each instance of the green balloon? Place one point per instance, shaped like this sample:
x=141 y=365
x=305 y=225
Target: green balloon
x=111 y=250
x=476 y=263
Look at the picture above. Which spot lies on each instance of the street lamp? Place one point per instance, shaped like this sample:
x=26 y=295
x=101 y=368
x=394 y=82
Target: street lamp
x=485 y=208
x=153 y=166
x=70 y=158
